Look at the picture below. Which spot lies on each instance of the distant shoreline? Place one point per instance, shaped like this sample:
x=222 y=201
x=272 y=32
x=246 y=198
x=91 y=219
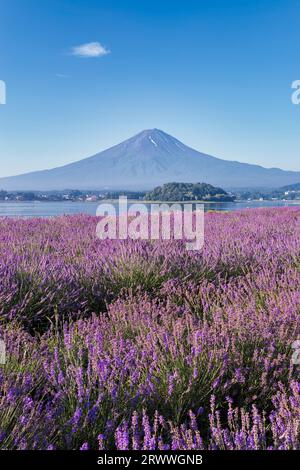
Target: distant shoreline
x=45 y=209
x=141 y=201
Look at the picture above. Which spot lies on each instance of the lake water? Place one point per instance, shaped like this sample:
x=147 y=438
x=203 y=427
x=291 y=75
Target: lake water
x=50 y=209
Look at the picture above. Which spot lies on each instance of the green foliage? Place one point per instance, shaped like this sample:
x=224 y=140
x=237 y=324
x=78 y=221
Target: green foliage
x=188 y=192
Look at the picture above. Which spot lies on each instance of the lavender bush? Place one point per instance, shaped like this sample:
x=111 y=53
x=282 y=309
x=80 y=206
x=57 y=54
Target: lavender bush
x=144 y=345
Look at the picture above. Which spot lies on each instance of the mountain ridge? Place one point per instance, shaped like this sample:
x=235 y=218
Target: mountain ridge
x=146 y=160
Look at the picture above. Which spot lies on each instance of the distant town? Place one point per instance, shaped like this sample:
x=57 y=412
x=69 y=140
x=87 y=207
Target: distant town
x=167 y=192
x=67 y=195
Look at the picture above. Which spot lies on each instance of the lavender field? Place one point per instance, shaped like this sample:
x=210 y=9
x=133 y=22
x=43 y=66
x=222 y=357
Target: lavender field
x=145 y=345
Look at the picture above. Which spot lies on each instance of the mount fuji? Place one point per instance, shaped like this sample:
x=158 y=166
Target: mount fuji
x=150 y=158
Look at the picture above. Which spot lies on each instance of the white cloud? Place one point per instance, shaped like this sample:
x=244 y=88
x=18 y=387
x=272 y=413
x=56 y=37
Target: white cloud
x=62 y=75
x=91 y=49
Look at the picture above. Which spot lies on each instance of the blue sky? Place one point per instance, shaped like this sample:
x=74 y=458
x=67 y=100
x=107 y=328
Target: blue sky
x=215 y=74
